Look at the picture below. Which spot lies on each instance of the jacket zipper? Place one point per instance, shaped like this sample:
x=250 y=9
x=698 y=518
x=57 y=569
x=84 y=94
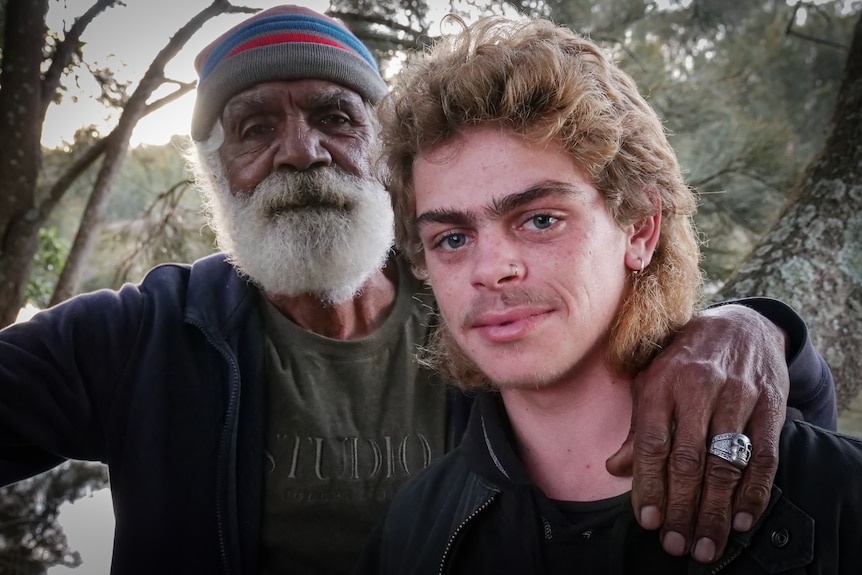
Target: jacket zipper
x=460 y=528
x=220 y=520
x=727 y=560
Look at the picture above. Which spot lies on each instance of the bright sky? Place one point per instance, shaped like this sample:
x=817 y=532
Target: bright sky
x=126 y=39
x=89 y=527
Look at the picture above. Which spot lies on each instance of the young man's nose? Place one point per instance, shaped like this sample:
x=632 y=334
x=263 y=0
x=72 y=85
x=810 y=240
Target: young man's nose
x=496 y=264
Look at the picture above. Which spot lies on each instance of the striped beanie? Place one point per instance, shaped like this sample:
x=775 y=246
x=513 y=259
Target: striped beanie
x=282 y=43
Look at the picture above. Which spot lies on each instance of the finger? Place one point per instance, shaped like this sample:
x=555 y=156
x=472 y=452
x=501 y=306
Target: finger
x=724 y=483
x=620 y=463
x=651 y=444
x=686 y=464
x=764 y=430
x=713 y=520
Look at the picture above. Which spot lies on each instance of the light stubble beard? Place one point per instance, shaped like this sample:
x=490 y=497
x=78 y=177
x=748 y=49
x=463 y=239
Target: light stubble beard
x=445 y=354
x=322 y=232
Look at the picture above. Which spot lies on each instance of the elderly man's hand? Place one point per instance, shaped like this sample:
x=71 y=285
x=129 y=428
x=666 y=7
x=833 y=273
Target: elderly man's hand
x=725 y=372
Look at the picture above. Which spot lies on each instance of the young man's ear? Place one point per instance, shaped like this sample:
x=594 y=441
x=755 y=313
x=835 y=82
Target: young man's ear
x=643 y=238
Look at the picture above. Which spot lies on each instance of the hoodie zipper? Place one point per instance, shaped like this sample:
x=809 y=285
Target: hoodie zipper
x=457 y=532
x=231 y=406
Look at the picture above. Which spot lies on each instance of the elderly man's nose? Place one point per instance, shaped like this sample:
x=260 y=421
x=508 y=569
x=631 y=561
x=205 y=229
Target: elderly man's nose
x=300 y=148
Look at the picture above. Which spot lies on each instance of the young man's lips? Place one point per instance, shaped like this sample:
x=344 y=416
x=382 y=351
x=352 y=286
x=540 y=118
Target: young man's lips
x=508 y=326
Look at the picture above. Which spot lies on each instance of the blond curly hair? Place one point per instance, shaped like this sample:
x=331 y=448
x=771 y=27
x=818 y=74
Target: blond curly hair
x=549 y=84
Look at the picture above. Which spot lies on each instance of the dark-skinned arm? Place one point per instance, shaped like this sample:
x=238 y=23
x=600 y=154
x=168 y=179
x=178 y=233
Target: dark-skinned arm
x=812 y=390
x=726 y=371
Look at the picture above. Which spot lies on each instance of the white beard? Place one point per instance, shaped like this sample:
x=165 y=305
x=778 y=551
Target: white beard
x=322 y=233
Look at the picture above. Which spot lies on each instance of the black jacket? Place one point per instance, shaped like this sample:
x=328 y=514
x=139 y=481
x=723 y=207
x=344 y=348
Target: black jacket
x=163 y=382
x=476 y=511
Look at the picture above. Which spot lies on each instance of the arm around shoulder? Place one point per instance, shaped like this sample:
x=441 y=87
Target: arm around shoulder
x=812 y=389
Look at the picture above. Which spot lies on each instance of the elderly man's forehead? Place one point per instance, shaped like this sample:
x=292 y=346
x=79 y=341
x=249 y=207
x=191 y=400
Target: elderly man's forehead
x=317 y=93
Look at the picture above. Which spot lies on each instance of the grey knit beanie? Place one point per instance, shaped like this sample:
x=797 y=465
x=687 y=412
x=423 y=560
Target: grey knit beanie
x=282 y=43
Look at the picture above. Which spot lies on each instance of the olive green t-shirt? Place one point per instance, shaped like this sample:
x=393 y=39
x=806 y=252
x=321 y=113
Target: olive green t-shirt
x=347 y=423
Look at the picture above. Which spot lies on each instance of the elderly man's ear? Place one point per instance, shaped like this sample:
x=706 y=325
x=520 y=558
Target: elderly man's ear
x=643 y=237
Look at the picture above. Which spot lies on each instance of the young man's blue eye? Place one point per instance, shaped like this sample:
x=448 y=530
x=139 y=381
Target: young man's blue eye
x=454 y=241
x=543 y=221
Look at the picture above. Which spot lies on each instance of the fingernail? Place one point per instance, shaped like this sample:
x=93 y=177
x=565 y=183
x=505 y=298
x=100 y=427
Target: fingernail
x=704 y=551
x=743 y=521
x=650 y=517
x=674 y=543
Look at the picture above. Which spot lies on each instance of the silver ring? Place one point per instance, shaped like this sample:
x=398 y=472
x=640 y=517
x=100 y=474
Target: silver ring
x=514 y=269
x=732 y=447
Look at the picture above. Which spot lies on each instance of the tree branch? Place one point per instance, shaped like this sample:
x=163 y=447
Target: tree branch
x=789 y=31
x=65 y=48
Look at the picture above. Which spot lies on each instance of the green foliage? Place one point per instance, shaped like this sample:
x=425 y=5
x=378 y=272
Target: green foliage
x=46 y=267
x=155 y=216
x=387 y=27
x=746 y=105
x=114 y=93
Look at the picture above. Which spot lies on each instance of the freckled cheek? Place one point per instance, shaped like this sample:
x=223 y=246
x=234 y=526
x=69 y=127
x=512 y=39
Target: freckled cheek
x=452 y=310
x=450 y=290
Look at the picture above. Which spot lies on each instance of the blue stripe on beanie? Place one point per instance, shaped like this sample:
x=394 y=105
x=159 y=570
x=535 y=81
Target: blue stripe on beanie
x=285 y=23
x=242 y=57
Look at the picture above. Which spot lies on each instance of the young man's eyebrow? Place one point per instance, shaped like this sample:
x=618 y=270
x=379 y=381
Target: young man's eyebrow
x=501 y=206
x=542 y=189
x=441 y=216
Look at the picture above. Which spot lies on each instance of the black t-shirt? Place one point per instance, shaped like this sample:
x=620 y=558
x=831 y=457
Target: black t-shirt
x=578 y=534
x=586 y=537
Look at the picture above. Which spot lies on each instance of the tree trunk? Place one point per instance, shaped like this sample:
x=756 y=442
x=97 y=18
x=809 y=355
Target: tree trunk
x=91 y=220
x=812 y=257
x=20 y=155
x=24 y=96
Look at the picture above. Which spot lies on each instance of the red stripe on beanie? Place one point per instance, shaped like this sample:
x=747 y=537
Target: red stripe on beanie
x=285 y=37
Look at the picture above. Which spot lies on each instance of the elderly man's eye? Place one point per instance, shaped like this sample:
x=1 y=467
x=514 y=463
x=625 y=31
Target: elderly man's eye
x=255 y=130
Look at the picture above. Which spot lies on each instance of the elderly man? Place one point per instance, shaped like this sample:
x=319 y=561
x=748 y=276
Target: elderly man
x=257 y=408
x=554 y=225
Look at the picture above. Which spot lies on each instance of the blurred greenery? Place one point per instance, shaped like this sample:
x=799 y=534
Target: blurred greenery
x=46 y=267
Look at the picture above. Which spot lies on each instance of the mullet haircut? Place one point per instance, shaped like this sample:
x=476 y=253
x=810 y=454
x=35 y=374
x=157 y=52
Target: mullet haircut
x=551 y=86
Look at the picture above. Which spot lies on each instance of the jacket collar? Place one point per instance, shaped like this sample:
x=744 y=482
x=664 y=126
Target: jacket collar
x=489 y=443
x=218 y=298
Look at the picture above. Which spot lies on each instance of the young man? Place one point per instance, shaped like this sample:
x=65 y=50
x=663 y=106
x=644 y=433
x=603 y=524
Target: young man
x=257 y=408
x=536 y=190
